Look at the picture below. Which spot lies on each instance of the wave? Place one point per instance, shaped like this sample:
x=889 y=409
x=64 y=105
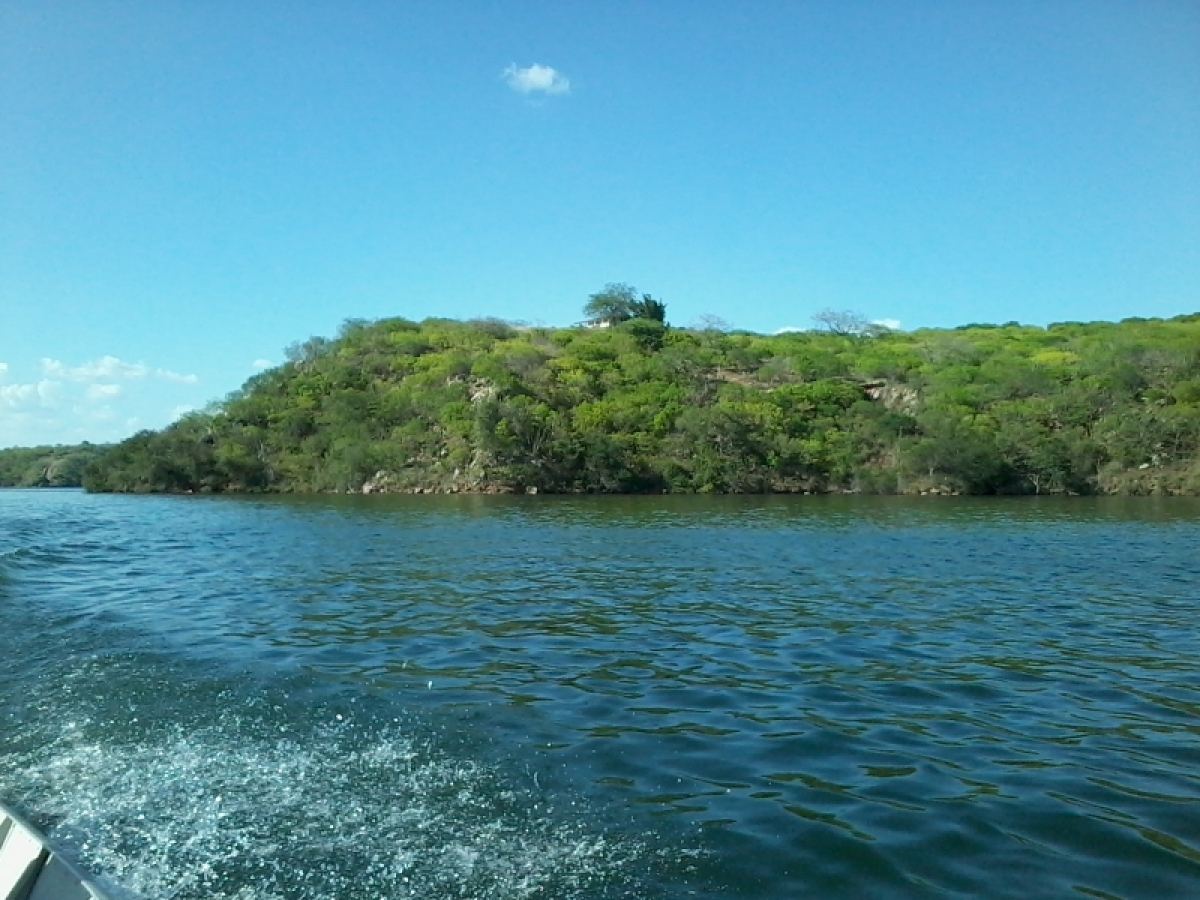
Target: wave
x=204 y=815
x=339 y=811
x=266 y=795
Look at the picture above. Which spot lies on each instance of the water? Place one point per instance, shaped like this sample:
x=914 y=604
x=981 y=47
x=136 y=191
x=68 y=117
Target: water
x=443 y=697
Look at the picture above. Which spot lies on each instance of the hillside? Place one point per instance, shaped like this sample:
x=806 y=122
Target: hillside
x=483 y=406
x=46 y=466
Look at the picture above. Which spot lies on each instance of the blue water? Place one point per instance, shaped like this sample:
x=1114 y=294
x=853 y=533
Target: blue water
x=457 y=697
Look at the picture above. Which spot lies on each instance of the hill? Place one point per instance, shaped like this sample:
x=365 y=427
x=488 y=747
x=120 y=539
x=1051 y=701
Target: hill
x=60 y=466
x=483 y=406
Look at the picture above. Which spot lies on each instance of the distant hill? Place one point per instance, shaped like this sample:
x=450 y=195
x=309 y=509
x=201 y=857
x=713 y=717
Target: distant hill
x=483 y=406
x=60 y=466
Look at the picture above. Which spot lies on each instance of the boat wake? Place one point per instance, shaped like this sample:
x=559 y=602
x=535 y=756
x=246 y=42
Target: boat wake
x=263 y=803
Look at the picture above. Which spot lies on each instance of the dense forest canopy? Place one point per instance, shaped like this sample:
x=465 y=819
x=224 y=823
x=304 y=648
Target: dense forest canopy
x=639 y=406
x=46 y=466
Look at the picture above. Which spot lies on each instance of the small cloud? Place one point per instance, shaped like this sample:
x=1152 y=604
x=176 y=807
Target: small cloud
x=168 y=375
x=109 y=367
x=3 y=371
x=17 y=396
x=48 y=391
x=789 y=329
x=178 y=412
x=102 y=391
x=103 y=414
x=890 y=324
x=536 y=78
x=104 y=367
x=260 y=364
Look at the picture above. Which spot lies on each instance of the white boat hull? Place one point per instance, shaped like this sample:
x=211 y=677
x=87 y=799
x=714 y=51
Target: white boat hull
x=32 y=869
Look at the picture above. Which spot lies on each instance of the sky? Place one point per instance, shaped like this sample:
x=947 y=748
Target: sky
x=188 y=188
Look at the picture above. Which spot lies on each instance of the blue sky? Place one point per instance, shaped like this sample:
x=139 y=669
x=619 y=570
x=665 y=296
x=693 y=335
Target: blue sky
x=187 y=188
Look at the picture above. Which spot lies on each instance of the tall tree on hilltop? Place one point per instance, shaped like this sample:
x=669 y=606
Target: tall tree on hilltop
x=612 y=305
x=842 y=321
x=649 y=308
x=618 y=302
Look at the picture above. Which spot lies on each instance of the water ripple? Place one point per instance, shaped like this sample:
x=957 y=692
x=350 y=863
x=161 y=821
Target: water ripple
x=859 y=698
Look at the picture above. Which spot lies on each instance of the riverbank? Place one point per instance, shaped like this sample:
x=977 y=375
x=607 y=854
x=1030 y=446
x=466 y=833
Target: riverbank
x=483 y=406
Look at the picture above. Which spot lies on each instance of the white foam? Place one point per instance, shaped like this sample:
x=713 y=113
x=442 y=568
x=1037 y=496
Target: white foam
x=217 y=813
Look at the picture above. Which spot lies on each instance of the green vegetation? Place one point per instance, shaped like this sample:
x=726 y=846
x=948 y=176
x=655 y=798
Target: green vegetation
x=47 y=466
x=619 y=303
x=447 y=406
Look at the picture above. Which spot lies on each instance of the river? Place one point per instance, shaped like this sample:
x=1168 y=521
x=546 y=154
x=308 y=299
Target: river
x=516 y=697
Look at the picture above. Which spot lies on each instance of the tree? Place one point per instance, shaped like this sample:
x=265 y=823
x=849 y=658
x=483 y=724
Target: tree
x=711 y=323
x=619 y=302
x=648 y=332
x=842 y=321
x=649 y=308
x=304 y=354
x=612 y=305
x=445 y=405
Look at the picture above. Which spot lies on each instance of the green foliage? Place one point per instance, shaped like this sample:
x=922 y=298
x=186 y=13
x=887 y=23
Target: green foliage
x=647 y=332
x=612 y=305
x=618 y=302
x=60 y=466
x=484 y=405
x=650 y=309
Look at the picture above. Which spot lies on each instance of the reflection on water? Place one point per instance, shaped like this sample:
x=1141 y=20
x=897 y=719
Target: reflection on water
x=590 y=697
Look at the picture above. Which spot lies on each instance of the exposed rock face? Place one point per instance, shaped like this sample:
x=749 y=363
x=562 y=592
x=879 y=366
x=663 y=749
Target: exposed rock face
x=481 y=390
x=379 y=483
x=896 y=397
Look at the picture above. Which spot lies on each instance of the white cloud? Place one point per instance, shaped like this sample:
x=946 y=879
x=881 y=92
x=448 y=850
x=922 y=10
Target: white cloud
x=15 y=396
x=261 y=364
x=95 y=415
x=19 y=396
x=104 y=367
x=102 y=391
x=100 y=399
x=892 y=324
x=536 y=78
x=109 y=367
x=180 y=411
x=789 y=329
x=168 y=375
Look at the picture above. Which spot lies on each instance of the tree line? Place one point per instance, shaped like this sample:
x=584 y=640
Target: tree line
x=59 y=466
x=641 y=406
